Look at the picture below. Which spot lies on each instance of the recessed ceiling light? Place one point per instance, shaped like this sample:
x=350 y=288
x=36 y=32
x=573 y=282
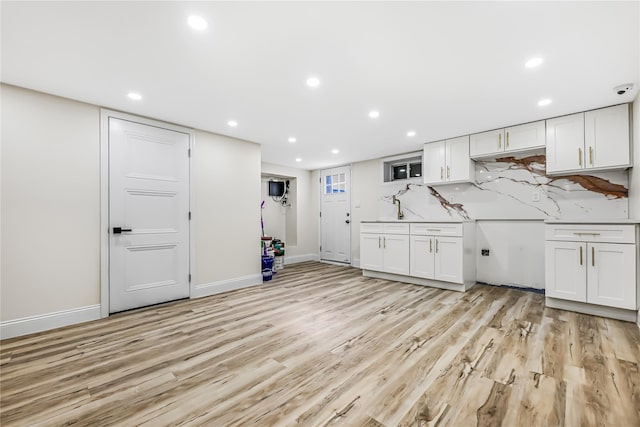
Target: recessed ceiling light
x=534 y=62
x=374 y=114
x=313 y=81
x=292 y=140
x=135 y=96
x=335 y=151
x=298 y=159
x=232 y=123
x=544 y=102
x=197 y=22
x=411 y=133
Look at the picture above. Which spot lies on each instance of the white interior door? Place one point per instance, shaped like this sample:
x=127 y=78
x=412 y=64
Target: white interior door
x=335 y=215
x=148 y=215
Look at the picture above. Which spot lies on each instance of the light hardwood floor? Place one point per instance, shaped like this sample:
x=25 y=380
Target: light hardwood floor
x=321 y=345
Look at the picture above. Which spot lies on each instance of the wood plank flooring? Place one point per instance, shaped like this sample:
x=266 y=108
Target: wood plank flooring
x=320 y=345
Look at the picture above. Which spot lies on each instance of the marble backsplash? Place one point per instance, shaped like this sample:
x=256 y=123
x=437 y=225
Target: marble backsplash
x=513 y=188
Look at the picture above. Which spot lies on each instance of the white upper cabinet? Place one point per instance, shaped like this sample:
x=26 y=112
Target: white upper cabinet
x=513 y=139
x=594 y=140
x=524 y=137
x=486 y=143
x=447 y=161
x=606 y=137
x=565 y=143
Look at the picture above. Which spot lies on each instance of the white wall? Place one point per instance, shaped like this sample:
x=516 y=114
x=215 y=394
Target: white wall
x=366 y=182
x=303 y=212
x=516 y=253
x=50 y=204
x=634 y=173
x=227 y=209
x=50 y=176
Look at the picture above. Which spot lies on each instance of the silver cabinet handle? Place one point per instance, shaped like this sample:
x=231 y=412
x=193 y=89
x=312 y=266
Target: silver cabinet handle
x=591 y=156
x=593 y=256
x=441 y=173
x=379 y=241
x=499 y=140
x=436 y=245
x=430 y=245
x=584 y=233
x=384 y=243
x=507 y=139
x=448 y=172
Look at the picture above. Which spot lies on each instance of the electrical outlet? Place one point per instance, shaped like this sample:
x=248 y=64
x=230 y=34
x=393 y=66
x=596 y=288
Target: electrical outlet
x=451 y=199
x=485 y=252
x=535 y=196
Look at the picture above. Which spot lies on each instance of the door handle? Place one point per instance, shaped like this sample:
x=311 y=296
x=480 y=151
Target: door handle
x=347 y=222
x=119 y=230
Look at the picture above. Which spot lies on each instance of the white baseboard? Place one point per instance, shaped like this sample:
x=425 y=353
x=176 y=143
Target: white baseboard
x=44 y=322
x=355 y=263
x=300 y=258
x=592 y=309
x=419 y=281
x=206 y=289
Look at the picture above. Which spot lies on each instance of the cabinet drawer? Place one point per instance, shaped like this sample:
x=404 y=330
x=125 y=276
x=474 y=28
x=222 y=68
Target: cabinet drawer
x=396 y=228
x=371 y=227
x=436 y=229
x=607 y=233
x=384 y=227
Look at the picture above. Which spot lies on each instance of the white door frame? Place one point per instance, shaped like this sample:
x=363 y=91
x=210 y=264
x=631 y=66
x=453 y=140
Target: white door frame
x=104 y=197
x=319 y=195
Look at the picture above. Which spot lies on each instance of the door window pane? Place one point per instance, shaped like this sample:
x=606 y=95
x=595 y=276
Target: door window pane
x=415 y=170
x=400 y=172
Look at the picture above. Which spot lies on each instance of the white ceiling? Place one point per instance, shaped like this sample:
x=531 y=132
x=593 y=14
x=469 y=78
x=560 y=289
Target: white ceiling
x=443 y=69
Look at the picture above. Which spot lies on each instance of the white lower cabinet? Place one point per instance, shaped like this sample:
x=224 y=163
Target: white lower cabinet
x=432 y=254
x=437 y=258
x=382 y=249
x=586 y=267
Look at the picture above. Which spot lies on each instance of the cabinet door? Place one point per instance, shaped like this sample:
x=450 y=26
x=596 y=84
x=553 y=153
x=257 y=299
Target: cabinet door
x=485 y=143
x=606 y=137
x=448 y=259
x=457 y=159
x=565 y=143
x=396 y=253
x=421 y=252
x=522 y=137
x=565 y=270
x=371 y=252
x=433 y=162
x=611 y=275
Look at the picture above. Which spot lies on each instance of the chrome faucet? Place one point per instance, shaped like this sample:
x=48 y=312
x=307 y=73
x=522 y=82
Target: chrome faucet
x=400 y=214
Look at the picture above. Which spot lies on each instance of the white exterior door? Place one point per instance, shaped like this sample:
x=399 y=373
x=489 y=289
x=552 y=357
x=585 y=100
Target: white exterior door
x=421 y=252
x=565 y=270
x=335 y=215
x=148 y=215
x=448 y=259
x=611 y=275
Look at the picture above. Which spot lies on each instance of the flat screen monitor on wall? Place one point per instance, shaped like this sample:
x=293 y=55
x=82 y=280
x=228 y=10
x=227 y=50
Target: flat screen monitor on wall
x=276 y=188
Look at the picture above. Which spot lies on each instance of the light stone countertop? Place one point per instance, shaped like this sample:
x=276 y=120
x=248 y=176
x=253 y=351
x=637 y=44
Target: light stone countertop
x=593 y=221
x=422 y=221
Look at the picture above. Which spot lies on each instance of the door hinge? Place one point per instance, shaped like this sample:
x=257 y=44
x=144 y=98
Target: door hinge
x=189 y=277
x=189 y=152
x=189 y=215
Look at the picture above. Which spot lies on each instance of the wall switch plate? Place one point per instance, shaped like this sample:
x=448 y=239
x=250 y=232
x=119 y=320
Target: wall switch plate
x=535 y=196
x=485 y=252
x=451 y=199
